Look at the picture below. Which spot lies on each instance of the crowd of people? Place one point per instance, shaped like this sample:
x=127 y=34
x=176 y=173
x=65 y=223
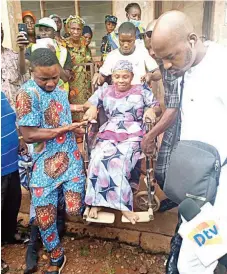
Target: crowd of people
x=47 y=102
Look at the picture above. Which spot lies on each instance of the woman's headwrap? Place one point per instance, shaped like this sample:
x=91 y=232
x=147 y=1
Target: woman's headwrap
x=87 y=29
x=111 y=18
x=28 y=13
x=75 y=19
x=123 y=65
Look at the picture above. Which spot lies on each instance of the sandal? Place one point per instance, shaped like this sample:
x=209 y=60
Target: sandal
x=4 y=267
x=59 y=264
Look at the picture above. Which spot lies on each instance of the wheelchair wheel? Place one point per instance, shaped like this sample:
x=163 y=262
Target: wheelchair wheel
x=141 y=201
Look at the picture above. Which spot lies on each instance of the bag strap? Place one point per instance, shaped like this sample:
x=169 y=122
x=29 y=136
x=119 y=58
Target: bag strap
x=178 y=113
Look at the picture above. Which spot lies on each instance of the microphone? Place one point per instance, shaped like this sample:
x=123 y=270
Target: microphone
x=190 y=210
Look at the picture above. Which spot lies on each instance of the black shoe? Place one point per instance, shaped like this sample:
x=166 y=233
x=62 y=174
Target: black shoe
x=60 y=264
x=31 y=257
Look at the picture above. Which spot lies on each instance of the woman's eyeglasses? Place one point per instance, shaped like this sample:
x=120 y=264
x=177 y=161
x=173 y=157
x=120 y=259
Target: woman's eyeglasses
x=148 y=34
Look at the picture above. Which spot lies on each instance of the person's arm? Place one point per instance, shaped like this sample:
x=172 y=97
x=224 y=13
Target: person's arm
x=65 y=72
x=22 y=43
x=150 y=63
x=104 y=71
x=23 y=148
x=35 y=134
x=164 y=123
x=168 y=118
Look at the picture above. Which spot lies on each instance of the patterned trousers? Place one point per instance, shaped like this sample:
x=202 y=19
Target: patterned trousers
x=45 y=202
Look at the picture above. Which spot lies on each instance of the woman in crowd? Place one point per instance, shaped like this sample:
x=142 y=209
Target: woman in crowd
x=117 y=147
x=133 y=14
x=80 y=87
x=110 y=40
x=87 y=34
x=29 y=19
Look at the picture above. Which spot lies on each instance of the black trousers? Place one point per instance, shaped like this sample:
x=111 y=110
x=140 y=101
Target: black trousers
x=10 y=204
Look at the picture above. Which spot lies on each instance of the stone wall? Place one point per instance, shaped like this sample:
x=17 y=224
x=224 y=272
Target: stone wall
x=194 y=9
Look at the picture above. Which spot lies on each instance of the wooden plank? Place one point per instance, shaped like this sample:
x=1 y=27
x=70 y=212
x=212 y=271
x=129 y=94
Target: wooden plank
x=42 y=9
x=77 y=8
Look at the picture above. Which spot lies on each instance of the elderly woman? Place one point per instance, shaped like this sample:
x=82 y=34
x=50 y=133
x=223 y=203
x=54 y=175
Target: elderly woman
x=80 y=86
x=117 y=147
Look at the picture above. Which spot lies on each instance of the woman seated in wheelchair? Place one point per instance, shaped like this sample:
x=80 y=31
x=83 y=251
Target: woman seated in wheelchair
x=117 y=147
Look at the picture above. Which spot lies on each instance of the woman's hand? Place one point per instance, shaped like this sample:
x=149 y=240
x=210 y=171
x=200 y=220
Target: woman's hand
x=91 y=114
x=22 y=40
x=149 y=114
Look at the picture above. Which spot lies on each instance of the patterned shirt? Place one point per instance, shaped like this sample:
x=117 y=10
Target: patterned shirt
x=11 y=79
x=57 y=160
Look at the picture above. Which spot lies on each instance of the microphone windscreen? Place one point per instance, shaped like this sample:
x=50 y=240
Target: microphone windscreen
x=223 y=260
x=188 y=209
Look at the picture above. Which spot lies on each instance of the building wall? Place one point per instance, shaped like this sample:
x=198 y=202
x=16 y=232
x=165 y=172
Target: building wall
x=11 y=16
x=194 y=9
x=147 y=7
x=219 y=33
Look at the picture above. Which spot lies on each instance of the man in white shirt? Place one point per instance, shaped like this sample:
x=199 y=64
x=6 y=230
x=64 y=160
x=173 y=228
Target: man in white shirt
x=204 y=104
x=131 y=51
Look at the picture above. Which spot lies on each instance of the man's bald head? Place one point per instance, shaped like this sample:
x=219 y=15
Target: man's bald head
x=174 y=41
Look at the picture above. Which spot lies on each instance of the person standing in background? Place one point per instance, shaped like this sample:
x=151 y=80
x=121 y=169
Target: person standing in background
x=47 y=28
x=133 y=14
x=80 y=86
x=58 y=21
x=11 y=79
x=11 y=144
x=87 y=34
x=29 y=19
x=110 y=40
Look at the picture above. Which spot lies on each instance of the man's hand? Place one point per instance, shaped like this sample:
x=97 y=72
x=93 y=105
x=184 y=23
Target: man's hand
x=23 y=148
x=22 y=40
x=91 y=114
x=98 y=79
x=152 y=76
x=148 y=145
x=75 y=126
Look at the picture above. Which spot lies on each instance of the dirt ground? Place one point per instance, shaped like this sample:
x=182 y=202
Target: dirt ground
x=91 y=256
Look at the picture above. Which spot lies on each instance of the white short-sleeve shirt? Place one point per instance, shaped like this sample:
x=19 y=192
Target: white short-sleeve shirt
x=204 y=104
x=140 y=59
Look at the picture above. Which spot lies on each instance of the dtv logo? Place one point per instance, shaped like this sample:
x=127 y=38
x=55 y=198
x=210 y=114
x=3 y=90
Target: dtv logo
x=206 y=233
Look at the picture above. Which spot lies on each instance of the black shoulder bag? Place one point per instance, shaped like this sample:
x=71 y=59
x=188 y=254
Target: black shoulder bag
x=194 y=168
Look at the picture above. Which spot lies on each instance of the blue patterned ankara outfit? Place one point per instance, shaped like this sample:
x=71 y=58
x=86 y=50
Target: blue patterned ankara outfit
x=56 y=162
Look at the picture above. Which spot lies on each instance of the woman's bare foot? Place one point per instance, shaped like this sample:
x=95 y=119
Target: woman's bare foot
x=93 y=213
x=131 y=216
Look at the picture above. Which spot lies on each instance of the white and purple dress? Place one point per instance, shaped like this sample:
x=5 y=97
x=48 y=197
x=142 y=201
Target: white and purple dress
x=117 y=148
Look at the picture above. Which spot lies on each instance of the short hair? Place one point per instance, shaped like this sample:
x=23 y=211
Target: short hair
x=132 y=5
x=127 y=27
x=43 y=57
